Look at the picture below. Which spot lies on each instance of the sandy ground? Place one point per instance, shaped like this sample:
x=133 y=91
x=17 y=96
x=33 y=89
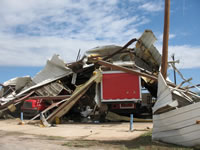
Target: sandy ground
x=14 y=136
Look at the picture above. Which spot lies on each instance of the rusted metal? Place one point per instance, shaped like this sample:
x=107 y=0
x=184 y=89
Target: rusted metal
x=59 y=97
x=16 y=101
x=25 y=97
x=164 y=64
x=131 y=71
x=197 y=121
x=124 y=47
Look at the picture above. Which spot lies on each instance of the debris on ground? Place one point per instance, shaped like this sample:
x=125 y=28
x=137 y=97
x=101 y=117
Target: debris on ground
x=121 y=80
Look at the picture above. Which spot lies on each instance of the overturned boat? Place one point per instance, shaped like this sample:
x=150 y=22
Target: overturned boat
x=176 y=116
x=176 y=113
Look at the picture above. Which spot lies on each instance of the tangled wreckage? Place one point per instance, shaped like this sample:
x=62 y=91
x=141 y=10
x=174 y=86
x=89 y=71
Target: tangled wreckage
x=176 y=116
x=107 y=81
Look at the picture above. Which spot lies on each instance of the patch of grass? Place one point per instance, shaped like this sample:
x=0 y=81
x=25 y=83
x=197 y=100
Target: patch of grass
x=80 y=144
x=55 y=138
x=10 y=133
x=144 y=142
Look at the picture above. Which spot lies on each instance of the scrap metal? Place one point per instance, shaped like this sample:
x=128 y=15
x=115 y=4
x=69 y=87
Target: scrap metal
x=68 y=87
x=80 y=90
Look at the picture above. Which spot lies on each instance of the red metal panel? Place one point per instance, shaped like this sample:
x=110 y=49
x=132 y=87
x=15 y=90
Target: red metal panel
x=120 y=86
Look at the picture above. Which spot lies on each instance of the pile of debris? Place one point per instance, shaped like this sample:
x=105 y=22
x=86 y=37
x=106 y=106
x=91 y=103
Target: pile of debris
x=74 y=90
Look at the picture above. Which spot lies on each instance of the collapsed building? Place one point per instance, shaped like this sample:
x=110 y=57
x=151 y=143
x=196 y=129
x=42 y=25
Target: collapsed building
x=106 y=79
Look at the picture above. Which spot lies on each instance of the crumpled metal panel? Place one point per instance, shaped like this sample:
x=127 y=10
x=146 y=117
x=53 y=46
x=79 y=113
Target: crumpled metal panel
x=103 y=50
x=148 y=38
x=76 y=95
x=54 y=68
x=164 y=95
x=18 y=82
x=147 y=51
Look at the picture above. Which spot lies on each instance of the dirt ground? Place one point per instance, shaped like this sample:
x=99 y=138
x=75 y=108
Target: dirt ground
x=14 y=136
x=77 y=136
x=100 y=131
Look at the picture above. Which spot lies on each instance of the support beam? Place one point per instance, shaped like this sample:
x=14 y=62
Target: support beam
x=131 y=71
x=76 y=95
x=59 y=97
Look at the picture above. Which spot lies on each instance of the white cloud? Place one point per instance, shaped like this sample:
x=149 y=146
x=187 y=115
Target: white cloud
x=171 y=36
x=152 y=6
x=32 y=31
x=34 y=51
x=187 y=55
x=65 y=18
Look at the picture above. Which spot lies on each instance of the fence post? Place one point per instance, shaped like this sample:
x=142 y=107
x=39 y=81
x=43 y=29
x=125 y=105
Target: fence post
x=22 y=117
x=131 y=122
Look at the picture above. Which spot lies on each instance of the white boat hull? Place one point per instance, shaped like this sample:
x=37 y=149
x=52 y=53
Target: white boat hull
x=178 y=126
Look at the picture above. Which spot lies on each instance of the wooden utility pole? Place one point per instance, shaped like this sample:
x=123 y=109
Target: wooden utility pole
x=165 y=40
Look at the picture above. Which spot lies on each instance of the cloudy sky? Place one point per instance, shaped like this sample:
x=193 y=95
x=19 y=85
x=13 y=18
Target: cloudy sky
x=31 y=31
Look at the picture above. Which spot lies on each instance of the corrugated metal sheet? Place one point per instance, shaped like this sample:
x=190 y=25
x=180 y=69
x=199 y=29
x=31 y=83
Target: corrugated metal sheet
x=103 y=50
x=54 y=68
x=164 y=95
x=107 y=50
x=52 y=89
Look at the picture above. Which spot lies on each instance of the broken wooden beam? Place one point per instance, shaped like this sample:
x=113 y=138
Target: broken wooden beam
x=16 y=101
x=49 y=108
x=124 y=69
x=76 y=95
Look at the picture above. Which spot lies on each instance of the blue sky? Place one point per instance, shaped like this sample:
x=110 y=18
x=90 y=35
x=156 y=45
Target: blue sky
x=31 y=31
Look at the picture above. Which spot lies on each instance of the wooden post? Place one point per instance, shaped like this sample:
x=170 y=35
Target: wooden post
x=165 y=40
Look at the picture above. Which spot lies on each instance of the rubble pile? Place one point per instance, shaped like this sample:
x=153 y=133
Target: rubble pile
x=73 y=90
